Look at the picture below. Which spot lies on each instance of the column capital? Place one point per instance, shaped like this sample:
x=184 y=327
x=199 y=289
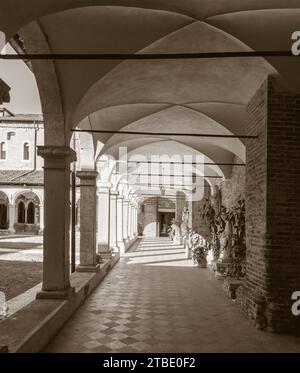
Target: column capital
x=114 y=193
x=103 y=188
x=125 y=200
x=87 y=174
x=87 y=178
x=56 y=156
x=120 y=197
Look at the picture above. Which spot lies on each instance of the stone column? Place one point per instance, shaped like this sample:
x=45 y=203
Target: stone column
x=11 y=217
x=113 y=221
x=125 y=219
x=272 y=209
x=103 y=220
x=88 y=221
x=42 y=213
x=135 y=220
x=130 y=221
x=120 y=238
x=56 y=267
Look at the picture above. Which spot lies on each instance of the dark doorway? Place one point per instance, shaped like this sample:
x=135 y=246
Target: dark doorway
x=3 y=216
x=30 y=213
x=165 y=222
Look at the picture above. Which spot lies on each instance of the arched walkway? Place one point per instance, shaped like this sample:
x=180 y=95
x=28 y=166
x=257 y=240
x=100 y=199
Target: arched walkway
x=155 y=301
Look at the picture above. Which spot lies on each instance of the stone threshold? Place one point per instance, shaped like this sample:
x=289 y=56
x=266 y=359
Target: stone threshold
x=30 y=329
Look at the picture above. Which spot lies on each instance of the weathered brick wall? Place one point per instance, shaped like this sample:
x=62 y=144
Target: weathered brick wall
x=272 y=209
x=234 y=188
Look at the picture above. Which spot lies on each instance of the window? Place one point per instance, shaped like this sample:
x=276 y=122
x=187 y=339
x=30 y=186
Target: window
x=26 y=151
x=21 y=212
x=3 y=150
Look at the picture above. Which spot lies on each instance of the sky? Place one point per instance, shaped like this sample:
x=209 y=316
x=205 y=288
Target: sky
x=24 y=96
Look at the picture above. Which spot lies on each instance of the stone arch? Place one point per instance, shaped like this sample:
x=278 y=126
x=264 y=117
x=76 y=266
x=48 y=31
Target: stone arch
x=27 y=211
x=35 y=41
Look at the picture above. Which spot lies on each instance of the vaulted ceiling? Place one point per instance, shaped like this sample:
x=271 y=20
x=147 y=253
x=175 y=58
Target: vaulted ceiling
x=195 y=95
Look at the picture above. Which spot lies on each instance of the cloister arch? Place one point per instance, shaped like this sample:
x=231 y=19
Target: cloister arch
x=27 y=205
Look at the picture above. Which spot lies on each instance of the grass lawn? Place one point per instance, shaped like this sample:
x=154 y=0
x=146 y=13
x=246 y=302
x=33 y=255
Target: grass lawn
x=19 y=276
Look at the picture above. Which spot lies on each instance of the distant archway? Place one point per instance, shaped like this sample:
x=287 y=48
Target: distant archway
x=28 y=212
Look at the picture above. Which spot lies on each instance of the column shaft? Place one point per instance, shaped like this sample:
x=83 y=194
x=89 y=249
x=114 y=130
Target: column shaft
x=11 y=217
x=120 y=225
x=103 y=221
x=125 y=219
x=56 y=268
x=113 y=221
x=88 y=217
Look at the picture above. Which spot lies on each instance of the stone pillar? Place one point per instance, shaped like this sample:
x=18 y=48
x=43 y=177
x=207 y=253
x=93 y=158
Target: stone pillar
x=113 y=221
x=42 y=213
x=11 y=217
x=103 y=220
x=131 y=220
x=120 y=239
x=125 y=219
x=88 y=221
x=135 y=220
x=272 y=209
x=56 y=267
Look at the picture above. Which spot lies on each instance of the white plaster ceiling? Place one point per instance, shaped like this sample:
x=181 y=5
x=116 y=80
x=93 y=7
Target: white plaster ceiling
x=204 y=95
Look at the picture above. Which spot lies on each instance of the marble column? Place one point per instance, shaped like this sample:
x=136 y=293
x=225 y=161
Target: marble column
x=130 y=222
x=88 y=218
x=120 y=238
x=42 y=213
x=11 y=218
x=56 y=267
x=125 y=219
x=113 y=228
x=136 y=219
x=103 y=220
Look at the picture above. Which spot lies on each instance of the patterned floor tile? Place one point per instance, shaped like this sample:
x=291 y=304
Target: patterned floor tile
x=148 y=304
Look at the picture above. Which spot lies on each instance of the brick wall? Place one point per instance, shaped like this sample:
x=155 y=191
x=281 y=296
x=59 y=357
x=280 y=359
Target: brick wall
x=234 y=188
x=272 y=209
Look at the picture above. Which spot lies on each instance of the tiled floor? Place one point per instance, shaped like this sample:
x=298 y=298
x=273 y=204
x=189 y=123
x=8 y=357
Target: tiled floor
x=156 y=301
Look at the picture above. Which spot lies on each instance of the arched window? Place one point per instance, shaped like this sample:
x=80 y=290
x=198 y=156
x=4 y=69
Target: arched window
x=3 y=150
x=30 y=213
x=26 y=151
x=21 y=212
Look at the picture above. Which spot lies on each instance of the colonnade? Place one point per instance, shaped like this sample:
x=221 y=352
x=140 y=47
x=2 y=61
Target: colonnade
x=108 y=221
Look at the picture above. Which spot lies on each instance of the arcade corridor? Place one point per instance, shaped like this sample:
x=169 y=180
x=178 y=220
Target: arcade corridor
x=155 y=300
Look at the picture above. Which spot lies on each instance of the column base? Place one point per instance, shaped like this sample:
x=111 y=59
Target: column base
x=121 y=246
x=92 y=268
x=104 y=252
x=56 y=294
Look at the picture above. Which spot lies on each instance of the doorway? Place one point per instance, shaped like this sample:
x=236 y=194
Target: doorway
x=165 y=222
